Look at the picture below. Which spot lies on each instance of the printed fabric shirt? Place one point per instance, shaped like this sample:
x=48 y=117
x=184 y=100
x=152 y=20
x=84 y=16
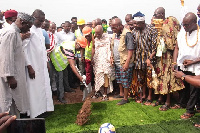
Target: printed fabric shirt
x=144 y=44
x=167 y=82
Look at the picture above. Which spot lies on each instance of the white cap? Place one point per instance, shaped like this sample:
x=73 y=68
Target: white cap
x=139 y=18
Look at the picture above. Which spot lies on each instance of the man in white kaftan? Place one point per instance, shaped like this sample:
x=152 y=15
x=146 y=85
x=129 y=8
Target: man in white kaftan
x=39 y=89
x=13 y=88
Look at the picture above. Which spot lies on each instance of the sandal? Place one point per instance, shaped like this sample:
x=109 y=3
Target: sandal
x=186 y=116
x=148 y=102
x=197 y=125
x=104 y=98
x=96 y=95
x=157 y=103
x=164 y=107
x=140 y=100
x=176 y=106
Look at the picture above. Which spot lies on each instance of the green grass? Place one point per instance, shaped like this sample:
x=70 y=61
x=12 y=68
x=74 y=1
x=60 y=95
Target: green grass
x=132 y=117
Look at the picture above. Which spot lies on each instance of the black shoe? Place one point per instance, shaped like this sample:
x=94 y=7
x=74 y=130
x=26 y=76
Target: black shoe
x=70 y=90
x=62 y=100
x=122 y=102
x=54 y=93
x=73 y=86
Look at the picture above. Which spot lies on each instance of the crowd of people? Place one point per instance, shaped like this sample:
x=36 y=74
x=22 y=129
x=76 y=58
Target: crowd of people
x=39 y=59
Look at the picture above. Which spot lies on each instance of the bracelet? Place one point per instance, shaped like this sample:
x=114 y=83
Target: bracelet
x=174 y=63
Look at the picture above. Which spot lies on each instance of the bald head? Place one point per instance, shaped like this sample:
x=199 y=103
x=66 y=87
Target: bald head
x=98 y=28
x=117 y=25
x=159 y=13
x=191 y=17
x=117 y=21
x=190 y=22
x=98 y=21
x=98 y=31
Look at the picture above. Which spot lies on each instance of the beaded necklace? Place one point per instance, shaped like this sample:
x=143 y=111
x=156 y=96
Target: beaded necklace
x=197 y=37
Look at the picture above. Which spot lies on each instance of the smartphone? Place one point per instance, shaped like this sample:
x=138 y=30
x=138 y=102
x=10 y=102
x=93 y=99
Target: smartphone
x=36 y=125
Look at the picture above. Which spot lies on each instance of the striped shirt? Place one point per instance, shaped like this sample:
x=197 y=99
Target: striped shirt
x=144 y=44
x=67 y=52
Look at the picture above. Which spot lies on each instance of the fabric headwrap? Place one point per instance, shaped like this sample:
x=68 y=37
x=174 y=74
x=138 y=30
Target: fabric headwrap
x=26 y=17
x=139 y=16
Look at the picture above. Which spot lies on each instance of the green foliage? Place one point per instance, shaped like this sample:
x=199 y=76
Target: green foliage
x=126 y=119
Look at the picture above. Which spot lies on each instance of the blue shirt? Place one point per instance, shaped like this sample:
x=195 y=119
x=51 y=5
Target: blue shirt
x=46 y=36
x=199 y=22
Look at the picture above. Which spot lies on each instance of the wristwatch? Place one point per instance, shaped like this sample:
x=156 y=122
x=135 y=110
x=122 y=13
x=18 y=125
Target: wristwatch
x=183 y=77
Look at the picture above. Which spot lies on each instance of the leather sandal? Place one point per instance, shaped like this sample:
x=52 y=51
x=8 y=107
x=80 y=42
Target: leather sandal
x=148 y=102
x=186 y=116
x=140 y=100
x=176 y=106
x=197 y=125
x=164 y=107
x=157 y=103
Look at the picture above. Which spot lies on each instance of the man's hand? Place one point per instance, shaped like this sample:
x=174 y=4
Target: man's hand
x=179 y=74
x=25 y=35
x=31 y=72
x=148 y=62
x=125 y=67
x=111 y=61
x=82 y=59
x=12 y=82
x=5 y=121
x=188 y=62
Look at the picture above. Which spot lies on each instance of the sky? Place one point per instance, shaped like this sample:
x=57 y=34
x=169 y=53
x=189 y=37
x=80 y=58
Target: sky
x=59 y=11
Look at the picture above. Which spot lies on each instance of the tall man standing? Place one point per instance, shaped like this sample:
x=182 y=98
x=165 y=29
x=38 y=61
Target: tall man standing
x=143 y=46
x=165 y=75
x=65 y=35
x=14 y=95
x=123 y=71
x=186 y=56
x=38 y=81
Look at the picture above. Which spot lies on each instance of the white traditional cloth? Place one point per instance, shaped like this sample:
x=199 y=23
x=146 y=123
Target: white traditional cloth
x=39 y=88
x=187 y=52
x=63 y=36
x=12 y=63
x=102 y=64
x=5 y=27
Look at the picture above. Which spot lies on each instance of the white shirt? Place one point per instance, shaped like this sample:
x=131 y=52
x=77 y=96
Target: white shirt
x=63 y=36
x=187 y=52
x=5 y=27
